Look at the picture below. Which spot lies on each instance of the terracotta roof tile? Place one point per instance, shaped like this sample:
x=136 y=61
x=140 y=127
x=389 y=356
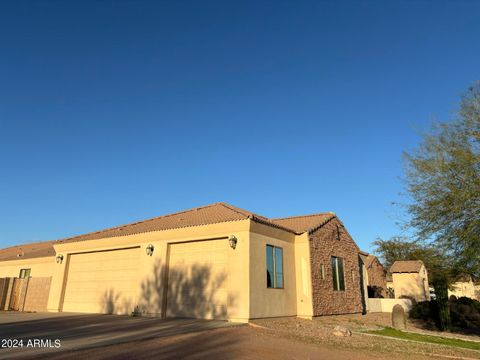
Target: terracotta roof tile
x=304 y=223
x=28 y=251
x=406 y=266
x=204 y=215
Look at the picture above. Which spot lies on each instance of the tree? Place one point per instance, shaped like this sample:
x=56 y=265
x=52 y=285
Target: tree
x=443 y=181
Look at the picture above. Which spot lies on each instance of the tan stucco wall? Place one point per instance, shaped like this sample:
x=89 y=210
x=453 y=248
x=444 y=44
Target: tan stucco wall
x=152 y=268
x=248 y=296
x=465 y=288
x=303 y=276
x=265 y=302
x=40 y=267
x=412 y=285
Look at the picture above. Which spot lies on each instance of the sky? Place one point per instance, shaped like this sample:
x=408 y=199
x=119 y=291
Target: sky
x=118 y=111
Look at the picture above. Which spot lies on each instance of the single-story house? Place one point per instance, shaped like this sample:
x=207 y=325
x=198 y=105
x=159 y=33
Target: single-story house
x=410 y=280
x=465 y=286
x=376 y=276
x=215 y=261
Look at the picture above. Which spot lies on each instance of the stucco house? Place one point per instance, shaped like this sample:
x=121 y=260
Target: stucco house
x=375 y=279
x=467 y=286
x=215 y=261
x=410 y=280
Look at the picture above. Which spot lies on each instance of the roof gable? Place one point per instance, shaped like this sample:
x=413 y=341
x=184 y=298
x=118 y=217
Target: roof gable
x=304 y=223
x=406 y=266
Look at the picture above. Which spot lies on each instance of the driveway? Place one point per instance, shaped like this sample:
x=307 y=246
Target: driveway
x=81 y=331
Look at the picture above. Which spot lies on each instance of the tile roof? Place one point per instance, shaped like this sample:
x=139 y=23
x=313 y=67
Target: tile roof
x=305 y=223
x=367 y=258
x=204 y=215
x=28 y=251
x=406 y=266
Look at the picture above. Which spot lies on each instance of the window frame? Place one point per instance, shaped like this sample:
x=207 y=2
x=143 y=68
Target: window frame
x=337 y=284
x=26 y=273
x=274 y=270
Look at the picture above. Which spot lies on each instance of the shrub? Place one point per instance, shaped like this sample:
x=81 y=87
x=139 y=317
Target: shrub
x=423 y=310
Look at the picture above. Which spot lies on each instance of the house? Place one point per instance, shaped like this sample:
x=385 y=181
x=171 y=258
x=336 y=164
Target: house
x=376 y=276
x=216 y=261
x=465 y=286
x=410 y=280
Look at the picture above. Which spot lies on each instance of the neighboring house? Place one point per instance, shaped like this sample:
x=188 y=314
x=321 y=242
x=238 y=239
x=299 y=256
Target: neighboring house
x=215 y=261
x=376 y=276
x=410 y=280
x=467 y=286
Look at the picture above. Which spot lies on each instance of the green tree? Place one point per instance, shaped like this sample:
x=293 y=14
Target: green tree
x=443 y=181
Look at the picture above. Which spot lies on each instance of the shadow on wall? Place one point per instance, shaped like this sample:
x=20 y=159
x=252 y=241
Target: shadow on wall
x=194 y=291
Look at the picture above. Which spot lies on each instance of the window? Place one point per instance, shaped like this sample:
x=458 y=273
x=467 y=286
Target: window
x=322 y=271
x=338 y=274
x=337 y=234
x=24 y=273
x=274 y=267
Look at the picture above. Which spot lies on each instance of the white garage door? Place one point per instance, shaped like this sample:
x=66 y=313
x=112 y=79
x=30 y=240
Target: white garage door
x=197 y=280
x=103 y=282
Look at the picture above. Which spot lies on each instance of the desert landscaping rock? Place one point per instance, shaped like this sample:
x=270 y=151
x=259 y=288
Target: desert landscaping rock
x=341 y=331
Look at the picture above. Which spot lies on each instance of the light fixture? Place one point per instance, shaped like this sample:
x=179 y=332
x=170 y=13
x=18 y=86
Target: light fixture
x=232 y=240
x=149 y=249
x=59 y=259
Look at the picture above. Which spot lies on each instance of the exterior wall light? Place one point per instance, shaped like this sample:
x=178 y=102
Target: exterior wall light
x=149 y=249
x=232 y=240
x=59 y=259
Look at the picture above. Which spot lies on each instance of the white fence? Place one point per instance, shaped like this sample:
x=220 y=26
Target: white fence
x=386 y=305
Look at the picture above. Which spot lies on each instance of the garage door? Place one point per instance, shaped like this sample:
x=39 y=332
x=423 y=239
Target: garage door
x=197 y=280
x=103 y=282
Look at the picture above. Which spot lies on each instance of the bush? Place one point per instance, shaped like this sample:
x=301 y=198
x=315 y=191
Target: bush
x=464 y=313
x=424 y=310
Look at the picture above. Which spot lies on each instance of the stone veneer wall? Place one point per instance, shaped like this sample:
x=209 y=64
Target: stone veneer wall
x=377 y=277
x=323 y=245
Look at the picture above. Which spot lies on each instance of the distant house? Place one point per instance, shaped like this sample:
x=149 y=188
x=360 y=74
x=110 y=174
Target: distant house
x=410 y=280
x=467 y=286
x=375 y=278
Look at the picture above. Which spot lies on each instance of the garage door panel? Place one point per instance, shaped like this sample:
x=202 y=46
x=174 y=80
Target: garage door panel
x=197 y=280
x=102 y=282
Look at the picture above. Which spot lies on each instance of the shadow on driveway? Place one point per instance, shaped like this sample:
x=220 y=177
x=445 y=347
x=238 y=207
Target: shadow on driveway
x=80 y=331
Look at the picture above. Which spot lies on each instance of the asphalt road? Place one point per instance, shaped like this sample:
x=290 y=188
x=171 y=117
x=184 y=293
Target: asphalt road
x=41 y=333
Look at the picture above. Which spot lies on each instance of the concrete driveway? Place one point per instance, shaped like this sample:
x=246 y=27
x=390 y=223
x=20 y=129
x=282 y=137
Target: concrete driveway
x=81 y=331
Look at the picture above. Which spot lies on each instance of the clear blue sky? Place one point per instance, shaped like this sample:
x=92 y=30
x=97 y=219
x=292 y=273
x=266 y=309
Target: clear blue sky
x=112 y=112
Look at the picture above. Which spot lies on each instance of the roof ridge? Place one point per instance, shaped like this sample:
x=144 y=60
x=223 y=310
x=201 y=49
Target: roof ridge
x=236 y=209
x=118 y=227
x=309 y=215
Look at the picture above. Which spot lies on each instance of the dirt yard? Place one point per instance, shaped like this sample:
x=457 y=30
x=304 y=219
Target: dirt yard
x=283 y=338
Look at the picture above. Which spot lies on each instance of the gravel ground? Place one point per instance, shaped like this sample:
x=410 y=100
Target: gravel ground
x=320 y=329
x=240 y=343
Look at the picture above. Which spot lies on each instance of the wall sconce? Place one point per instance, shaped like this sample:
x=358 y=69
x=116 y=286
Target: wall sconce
x=149 y=249
x=59 y=259
x=232 y=240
